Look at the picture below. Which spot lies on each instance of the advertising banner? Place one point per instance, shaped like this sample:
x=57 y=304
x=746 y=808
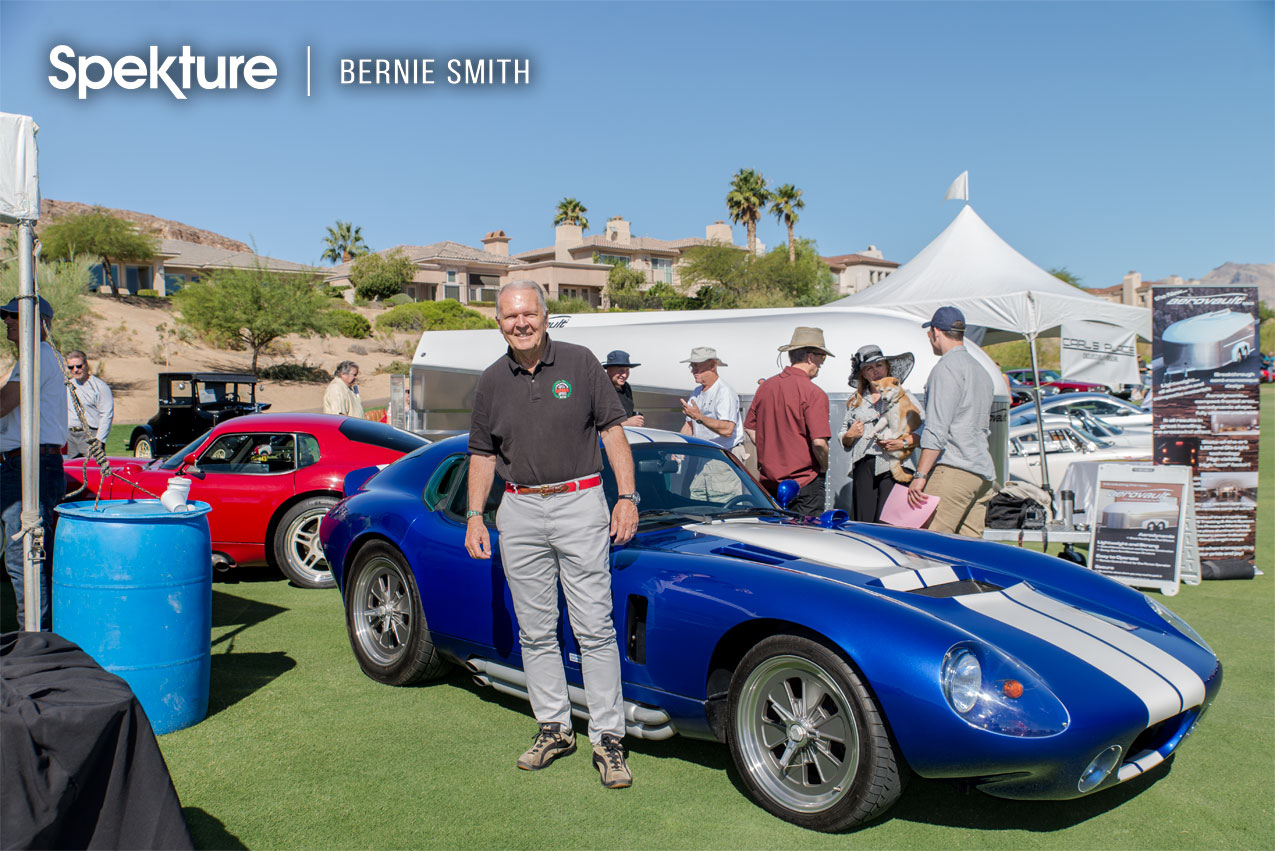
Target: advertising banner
x=1206 y=375
x=1099 y=353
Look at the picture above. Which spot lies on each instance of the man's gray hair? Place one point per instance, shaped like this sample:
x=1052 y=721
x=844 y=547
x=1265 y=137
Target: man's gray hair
x=523 y=284
x=344 y=367
x=76 y=353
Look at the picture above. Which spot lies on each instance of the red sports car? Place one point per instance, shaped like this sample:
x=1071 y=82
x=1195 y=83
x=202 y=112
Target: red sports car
x=1052 y=378
x=269 y=478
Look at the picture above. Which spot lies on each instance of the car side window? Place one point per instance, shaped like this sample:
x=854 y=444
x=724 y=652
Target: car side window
x=458 y=503
x=250 y=454
x=444 y=478
x=307 y=450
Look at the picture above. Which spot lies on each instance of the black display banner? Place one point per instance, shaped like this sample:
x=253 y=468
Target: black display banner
x=1205 y=382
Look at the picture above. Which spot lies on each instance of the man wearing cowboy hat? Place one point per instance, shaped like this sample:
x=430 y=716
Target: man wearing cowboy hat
x=618 y=366
x=52 y=430
x=712 y=413
x=788 y=421
x=956 y=463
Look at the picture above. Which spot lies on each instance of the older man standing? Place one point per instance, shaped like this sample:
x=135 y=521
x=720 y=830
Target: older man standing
x=712 y=411
x=342 y=397
x=537 y=415
x=96 y=400
x=619 y=367
x=956 y=463
x=789 y=423
x=52 y=431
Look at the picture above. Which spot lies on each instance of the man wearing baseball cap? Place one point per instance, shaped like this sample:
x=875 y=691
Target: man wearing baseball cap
x=956 y=463
x=53 y=432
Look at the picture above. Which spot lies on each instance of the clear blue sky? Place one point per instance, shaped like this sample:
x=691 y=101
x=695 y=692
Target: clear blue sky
x=1102 y=137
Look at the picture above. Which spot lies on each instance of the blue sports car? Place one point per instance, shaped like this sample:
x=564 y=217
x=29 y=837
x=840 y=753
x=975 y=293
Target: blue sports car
x=834 y=658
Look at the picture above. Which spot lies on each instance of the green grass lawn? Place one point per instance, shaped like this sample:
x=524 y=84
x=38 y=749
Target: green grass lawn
x=300 y=750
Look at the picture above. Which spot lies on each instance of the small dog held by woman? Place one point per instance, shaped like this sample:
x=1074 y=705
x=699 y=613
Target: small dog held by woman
x=901 y=417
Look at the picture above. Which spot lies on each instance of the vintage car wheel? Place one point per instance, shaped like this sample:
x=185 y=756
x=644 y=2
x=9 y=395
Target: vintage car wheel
x=296 y=543
x=807 y=737
x=385 y=621
x=143 y=448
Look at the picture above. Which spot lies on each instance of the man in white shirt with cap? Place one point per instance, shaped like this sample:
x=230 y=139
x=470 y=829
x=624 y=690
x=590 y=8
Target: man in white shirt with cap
x=712 y=413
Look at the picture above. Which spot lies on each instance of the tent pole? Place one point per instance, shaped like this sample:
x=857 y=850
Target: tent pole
x=1040 y=416
x=29 y=402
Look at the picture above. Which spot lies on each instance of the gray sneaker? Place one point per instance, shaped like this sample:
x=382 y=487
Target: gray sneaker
x=608 y=758
x=551 y=742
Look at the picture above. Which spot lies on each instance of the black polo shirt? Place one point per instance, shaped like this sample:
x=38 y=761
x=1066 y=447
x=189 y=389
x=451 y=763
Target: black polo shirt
x=625 y=395
x=543 y=426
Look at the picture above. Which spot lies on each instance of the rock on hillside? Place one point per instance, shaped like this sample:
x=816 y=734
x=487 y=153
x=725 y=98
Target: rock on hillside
x=51 y=211
x=1262 y=274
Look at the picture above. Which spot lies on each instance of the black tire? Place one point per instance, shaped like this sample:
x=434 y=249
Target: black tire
x=385 y=621
x=841 y=766
x=143 y=448
x=296 y=548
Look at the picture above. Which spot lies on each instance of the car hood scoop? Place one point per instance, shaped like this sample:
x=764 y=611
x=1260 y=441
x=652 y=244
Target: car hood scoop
x=880 y=564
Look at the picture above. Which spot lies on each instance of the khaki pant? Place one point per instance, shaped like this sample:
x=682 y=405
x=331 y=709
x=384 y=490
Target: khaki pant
x=963 y=507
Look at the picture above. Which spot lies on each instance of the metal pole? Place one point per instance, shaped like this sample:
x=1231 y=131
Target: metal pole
x=1040 y=417
x=29 y=403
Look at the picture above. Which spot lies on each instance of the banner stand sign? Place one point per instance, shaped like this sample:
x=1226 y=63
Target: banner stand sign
x=1144 y=531
x=1099 y=353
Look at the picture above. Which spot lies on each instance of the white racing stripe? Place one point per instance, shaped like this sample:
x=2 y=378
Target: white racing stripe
x=1187 y=682
x=1148 y=760
x=1160 y=698
x=926 y=577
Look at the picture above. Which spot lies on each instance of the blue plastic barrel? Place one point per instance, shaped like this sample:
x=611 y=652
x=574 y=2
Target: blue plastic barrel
x=132 y=586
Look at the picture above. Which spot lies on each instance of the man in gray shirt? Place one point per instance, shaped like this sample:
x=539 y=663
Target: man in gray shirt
x=956 y=464
x=98 y=403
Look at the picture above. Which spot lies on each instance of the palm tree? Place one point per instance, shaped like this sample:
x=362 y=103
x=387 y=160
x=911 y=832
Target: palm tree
x=571 y=212
x=344 y=242
x=784 y=204
x=746 y=201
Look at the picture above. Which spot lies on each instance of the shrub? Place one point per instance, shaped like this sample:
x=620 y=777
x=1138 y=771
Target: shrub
x=148 y=293
x=447 y=315
x=399 y=298
x=356 y=349
x=397 y=367
x=64 y=285
x=381 y=275
x=297 y=372
x=568 y=305
x=337 y=292
x=347 y=323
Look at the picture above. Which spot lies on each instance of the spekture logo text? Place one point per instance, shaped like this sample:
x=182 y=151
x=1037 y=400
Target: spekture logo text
x=93 y=73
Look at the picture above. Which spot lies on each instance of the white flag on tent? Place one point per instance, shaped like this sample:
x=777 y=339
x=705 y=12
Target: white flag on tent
x=960 y=188
x=1099 y=353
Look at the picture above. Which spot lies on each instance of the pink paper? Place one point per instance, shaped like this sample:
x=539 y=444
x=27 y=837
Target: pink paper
x=897 y=512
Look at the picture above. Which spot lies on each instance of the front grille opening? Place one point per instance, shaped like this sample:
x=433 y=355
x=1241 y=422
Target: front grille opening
x=962 y=588
x=1157 y=735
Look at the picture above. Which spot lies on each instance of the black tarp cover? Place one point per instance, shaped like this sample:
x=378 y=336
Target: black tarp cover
x=79 y=764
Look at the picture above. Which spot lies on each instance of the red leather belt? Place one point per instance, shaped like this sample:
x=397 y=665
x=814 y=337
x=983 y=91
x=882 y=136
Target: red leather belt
x=547 y=490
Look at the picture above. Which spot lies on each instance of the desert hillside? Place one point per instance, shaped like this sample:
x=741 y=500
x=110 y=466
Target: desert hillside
x=134 y=339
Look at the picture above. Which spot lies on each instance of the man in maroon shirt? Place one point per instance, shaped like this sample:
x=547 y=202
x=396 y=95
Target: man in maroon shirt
x=789 y=422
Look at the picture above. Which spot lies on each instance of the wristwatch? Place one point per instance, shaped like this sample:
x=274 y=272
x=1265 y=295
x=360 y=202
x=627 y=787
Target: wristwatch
x=921 y=475
x=473 y=513
x=631 y=497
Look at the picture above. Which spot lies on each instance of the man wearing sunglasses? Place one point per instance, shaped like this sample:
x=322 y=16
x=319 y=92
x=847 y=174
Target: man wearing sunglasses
x=99 y=407
x=52 y=430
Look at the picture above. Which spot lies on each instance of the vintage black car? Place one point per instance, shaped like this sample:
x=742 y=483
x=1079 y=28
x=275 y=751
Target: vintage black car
x=190 y=403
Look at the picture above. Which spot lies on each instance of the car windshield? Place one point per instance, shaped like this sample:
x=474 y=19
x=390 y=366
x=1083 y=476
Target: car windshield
x=172 y=462
x=681 y=481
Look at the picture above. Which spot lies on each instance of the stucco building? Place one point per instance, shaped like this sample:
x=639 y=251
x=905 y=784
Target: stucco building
x=859 y=271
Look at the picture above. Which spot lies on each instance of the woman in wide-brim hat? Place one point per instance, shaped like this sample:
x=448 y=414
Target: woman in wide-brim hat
x=869 y=464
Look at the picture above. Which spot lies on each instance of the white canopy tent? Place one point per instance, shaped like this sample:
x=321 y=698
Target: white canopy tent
x=999 y=290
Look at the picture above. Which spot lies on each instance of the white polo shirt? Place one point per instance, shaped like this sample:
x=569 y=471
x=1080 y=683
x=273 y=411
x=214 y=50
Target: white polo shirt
x=52 y=405
x=719 y=402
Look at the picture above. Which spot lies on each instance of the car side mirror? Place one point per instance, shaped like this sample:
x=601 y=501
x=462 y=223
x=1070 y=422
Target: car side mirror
x=786 y=492
x=190 y=468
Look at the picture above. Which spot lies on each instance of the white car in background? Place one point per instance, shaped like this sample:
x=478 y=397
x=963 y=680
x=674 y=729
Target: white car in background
x=1115 y=410
x=1064 y=443
x=1133 y=438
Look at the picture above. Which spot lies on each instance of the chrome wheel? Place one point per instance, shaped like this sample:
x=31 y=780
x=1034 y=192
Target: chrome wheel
x=381 y=611
x=142 y=449
x=298 y=551
x=797 y=734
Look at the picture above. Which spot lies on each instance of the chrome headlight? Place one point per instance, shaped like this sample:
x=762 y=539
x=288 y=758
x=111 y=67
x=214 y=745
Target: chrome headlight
x=1177 y=623
x=993 y=691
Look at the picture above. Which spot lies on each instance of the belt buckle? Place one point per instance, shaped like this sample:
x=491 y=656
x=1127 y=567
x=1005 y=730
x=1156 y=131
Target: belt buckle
x=550 y=490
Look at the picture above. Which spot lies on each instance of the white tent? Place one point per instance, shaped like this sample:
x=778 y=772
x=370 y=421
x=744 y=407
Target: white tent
x=999 y=290
x=968 y=265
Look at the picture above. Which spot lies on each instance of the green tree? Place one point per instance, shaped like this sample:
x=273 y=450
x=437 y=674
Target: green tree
x=730 y=278
x=624 y=288
x=1062 y=274
x=803 y=281
x=101 y=235
x=746 y=200
x=344 y=242
x=254 y=306
x=785 y=202
x=722 y=273
x=63 y=284
x=571 y=212
x=377 y=276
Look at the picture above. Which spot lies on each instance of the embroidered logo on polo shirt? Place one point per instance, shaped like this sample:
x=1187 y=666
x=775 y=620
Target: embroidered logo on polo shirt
x=561 y=389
